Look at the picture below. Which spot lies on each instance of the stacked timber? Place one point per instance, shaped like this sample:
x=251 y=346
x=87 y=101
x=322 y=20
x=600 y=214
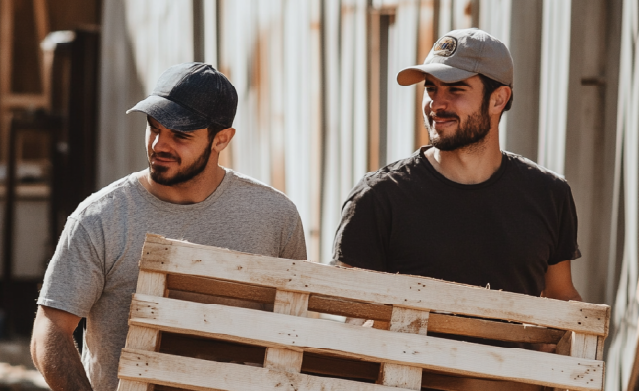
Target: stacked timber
x=178 y=339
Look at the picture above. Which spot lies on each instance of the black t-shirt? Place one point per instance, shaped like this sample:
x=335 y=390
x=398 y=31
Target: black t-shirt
x=408 y=218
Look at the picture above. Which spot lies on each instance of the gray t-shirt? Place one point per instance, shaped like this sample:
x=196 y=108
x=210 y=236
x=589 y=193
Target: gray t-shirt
x=95 y=267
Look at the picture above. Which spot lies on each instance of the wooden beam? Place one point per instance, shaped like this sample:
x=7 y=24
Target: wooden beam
x=404 y=320
x=194 y=374
x=150 y=283
x=361 y=285
x=439 y=323
x=578 y=345
x=287 y=360
x=455 y=383
x=318 y=336
x=221 y=351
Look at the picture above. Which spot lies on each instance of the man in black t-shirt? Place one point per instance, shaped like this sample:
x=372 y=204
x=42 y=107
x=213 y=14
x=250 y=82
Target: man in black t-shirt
x=460 y=209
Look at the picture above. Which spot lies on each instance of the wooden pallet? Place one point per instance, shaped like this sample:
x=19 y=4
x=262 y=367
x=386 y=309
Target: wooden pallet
x=178 y=340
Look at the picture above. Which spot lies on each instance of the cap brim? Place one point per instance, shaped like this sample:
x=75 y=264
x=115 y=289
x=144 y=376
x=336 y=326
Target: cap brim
x=443 y=72
x=170 y=114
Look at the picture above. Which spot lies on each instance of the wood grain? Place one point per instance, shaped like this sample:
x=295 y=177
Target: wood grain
x=322 y=337
x=404 y=320
x=578 y=345
x=287 y=360
x=194 y=374
x=221 y=351
x=455 y=383
x=150 y=283
x=362 y=285
x=207 y=290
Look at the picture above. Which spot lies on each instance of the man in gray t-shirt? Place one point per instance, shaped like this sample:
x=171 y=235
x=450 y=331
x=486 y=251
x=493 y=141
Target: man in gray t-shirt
x=184 y=194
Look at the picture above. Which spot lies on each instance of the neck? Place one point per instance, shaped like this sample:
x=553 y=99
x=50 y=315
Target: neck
x=470 y=165
x=190 y=192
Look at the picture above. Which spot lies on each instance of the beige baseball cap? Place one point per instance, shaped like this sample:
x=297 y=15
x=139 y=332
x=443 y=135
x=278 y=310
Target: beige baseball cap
x=461 y=54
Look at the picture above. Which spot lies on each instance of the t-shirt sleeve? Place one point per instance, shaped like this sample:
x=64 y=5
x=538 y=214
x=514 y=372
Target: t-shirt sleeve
x=295 y=245
x=75 y=276
x=567 y=246
x=363 y=233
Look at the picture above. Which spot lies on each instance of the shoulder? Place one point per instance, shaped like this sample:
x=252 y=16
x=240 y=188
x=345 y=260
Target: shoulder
x=253 y=192
x=392 y=176
x=393 y=173
x=105 y=199
x=535 y=173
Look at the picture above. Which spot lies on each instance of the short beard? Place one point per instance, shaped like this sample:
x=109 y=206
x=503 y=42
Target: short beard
x=183 y=175
x=471 y=133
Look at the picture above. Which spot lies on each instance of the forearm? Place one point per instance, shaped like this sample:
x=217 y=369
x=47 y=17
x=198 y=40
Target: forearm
x=56 y=357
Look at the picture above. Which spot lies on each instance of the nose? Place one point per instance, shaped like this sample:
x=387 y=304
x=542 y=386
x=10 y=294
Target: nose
x=438 y=101
x=159 y=142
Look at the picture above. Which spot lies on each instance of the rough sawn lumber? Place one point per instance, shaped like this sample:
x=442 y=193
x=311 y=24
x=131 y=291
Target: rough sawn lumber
x=363 y=285
x=319 y=336
x=193 y=295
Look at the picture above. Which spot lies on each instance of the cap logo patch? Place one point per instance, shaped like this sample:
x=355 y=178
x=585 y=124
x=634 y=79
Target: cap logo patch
x=445 y=47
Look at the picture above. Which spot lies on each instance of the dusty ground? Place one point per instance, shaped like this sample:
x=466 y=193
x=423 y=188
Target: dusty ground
x=17 y=372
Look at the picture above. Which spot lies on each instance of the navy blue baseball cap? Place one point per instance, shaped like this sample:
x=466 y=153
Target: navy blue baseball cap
x=191 y=96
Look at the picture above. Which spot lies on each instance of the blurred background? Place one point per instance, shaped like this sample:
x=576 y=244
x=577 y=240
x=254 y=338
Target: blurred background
x=319 y=107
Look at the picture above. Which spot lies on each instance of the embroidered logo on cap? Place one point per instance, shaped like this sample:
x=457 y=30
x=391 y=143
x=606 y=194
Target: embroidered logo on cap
x=445 y=47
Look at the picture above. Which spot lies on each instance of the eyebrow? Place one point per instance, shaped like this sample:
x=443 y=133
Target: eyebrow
x=184 y=134
x=455 y=84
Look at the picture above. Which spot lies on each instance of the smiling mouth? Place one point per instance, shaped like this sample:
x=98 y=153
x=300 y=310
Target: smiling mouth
x=443 y=120
x=160 y=159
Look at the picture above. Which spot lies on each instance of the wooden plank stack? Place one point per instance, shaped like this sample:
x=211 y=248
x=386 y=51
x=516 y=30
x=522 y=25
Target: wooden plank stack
x=178 y=339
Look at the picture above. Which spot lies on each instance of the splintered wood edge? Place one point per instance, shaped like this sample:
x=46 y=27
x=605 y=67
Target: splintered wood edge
x=472 y=301
x=316 y=336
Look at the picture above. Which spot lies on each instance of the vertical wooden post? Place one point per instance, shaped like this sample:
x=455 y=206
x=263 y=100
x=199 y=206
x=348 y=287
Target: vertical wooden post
x=149 y=283
x=404 y=320
x=287 y=360
x=578 y=345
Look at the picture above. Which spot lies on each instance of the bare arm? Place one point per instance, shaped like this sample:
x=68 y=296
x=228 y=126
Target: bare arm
x=54 y=352
x=559 y=283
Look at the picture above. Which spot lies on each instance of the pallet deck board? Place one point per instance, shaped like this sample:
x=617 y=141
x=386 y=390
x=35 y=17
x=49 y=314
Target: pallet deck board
x=322 y=336
x=362 y=285
x=201 y=375
x=439 y=323
x=205 y=318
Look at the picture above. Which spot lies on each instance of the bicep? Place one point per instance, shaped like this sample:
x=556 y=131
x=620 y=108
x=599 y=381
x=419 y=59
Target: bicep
x=48 y=318
x=559 y=284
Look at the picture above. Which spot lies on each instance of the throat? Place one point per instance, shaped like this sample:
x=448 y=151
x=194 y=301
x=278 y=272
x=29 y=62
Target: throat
x=465 y=167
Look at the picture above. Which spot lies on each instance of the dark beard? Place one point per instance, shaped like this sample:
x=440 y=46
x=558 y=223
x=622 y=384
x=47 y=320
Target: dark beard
x=183 y=175
x=471 y=132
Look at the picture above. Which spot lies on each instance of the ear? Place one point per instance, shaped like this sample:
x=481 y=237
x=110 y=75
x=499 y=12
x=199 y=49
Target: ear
x=499 y=99
x=222 y=139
